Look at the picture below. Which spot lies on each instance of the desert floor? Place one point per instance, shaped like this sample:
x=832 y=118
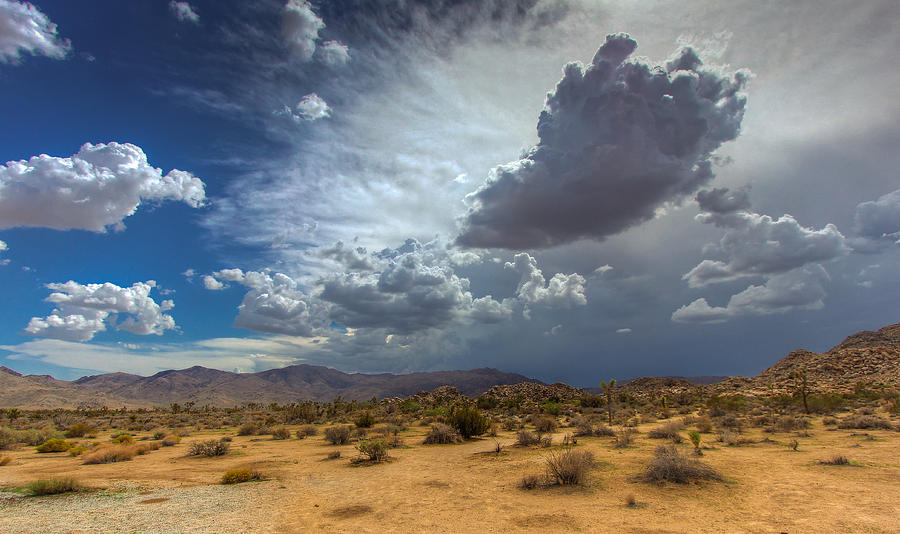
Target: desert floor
x=465 y=488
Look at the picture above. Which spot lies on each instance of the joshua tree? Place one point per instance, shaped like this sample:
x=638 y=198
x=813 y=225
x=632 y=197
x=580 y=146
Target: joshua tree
x=802 y=388
x=608 y=389
x=695 y=440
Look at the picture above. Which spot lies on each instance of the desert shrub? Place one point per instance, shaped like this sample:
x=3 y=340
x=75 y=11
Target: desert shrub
x=77 y=451
x=865 y=422
x=35 y=437
x=545 y=425
x=250 y=428
x=358 y=433
x=364 y=420
x=604 y=431
x=281 y=433
x=9 y=438
x=837 y=459
x=109 y=454
x=54 y=445
x=123 y=438
x=511 y=423
x=794 y=444
x=624 y=438
x=487 y=403
x=788 y=423
x=4 y=460
x=375 y=450
x=409 y=406
x=669 y=465
x=440 y=433
x=170 y=440
x=530 y=482
x=209 y=448
x=468 y=422
x=591 y=401
x=583 y=427
x=552 y=408
x=894 y=407
x=569 y=467
x=334 y=455
x=53 y=486
x=80 y=430
x=696 y=440
x=160 y=434
x=527 y=438
x=667 y=431
x=704 y=425
x=236 y=476
x=829 y=421
x=338 y=435
x=308 y=430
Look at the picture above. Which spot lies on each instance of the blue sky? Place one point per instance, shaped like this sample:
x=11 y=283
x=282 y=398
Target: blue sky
x=404 y=186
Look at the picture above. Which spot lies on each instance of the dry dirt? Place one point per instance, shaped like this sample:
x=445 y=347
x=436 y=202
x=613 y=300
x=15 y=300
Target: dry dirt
x=464 y=488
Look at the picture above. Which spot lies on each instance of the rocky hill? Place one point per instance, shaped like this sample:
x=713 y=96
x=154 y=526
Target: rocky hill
x=869 y=358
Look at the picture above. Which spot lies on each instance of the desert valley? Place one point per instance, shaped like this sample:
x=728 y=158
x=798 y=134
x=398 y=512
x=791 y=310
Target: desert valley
x=808 y=445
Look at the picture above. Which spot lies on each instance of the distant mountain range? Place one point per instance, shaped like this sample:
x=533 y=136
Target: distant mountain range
x=222 y=388
x=867 y=357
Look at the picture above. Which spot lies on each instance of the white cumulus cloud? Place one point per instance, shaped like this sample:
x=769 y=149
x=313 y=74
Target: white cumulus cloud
x=94 y=189
x=310 y=108
x=562 y=291
x=25 y=29
x=83 y=310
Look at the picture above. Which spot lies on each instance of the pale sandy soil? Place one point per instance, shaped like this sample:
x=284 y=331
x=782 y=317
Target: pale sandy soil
x=458 y=488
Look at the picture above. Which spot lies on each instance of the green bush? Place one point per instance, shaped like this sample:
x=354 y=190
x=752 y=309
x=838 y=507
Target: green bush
x=54 y=486
x=409 y=406
x=364 y=420
x=468 y=422
x=375 y=450
x=236 y=476
x=79 y=430
x=54 y=445
x=552 y=408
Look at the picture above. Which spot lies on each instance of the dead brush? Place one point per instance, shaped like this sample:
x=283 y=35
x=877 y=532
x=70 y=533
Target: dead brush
x=624 y=438
x=667 y=431
x=669 y=465
x=107 y=454
x=441 y=434
x=569 y=467
x=209 y=448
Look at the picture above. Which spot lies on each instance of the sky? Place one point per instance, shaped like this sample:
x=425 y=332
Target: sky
x=574 y=190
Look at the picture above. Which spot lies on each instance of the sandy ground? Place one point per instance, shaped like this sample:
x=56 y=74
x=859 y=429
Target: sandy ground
x=464 y=488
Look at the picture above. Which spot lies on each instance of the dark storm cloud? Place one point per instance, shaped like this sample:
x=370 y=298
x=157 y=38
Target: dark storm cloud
x=723 y=200
x=618 y=140
x=879 y=220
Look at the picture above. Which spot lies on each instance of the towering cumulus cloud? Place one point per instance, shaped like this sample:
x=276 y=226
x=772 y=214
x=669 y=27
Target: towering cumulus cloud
x=82 y=310
x=618 y=139
x=24 y=28
x=95 y=188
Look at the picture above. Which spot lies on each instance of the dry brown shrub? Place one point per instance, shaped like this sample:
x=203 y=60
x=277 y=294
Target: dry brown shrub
x=440 y=433
x=569 y=467
x=107 y=454
x=669 y=465
x=526 y=438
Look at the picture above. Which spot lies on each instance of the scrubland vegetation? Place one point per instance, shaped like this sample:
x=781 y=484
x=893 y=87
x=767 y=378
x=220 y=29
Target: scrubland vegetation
x=628 y=447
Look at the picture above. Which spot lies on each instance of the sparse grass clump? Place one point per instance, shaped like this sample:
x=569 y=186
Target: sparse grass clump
x=837 y=459
x=569 y=467
x=250 y=429
x=308 y=430
x=54 y=445
x=209 y=448
x=236 y=476
x=338 y=435
x=123 y=438
x=77 y=451
x=170 y=440
x=669 y=465
x=334 y=455
x=54 y=486
x=4 y=460
x=788 y=423
x=604 y=431
x=530 y=482
x=441 y=434
x=106 y=454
